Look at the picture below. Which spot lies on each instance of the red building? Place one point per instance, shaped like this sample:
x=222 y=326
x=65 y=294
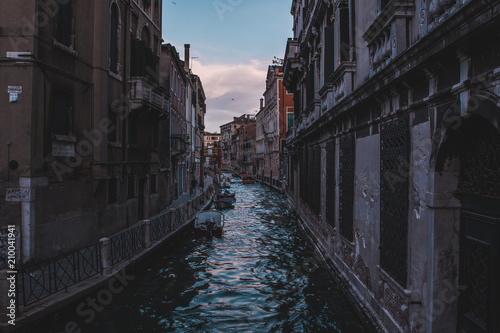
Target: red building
x=274 y=119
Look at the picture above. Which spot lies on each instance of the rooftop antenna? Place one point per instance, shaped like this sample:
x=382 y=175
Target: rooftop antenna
x=192 y=61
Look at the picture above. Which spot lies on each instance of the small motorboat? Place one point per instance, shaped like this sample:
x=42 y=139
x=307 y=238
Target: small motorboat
x=224 y=203
x=209 y=223
x=225 y=200
x=228 y=177
x=226 y=194
x=247 y=179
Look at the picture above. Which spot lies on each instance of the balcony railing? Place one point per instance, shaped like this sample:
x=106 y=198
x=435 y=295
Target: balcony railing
x=293 y=67
x=387 y=35
x=142 y=93
x=179 y=144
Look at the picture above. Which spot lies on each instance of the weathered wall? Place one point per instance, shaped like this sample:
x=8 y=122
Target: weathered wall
x=367 y=210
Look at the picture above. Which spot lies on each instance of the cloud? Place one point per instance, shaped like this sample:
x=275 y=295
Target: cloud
x=231 y=89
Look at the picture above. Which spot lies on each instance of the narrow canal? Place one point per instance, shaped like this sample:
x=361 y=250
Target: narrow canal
x=261 y=276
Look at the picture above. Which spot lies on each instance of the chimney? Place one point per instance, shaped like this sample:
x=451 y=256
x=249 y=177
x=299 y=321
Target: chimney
x=261 y=103
x=186 y=57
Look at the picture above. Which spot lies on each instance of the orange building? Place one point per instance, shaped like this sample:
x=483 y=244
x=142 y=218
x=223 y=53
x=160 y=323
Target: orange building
x=273 y=120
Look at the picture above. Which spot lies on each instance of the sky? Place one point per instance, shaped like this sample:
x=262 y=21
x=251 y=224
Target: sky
x=232 y=44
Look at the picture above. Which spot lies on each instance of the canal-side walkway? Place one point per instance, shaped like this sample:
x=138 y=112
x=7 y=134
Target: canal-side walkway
x=49 y=286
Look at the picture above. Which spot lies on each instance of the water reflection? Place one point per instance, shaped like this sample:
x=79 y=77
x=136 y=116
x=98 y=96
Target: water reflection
x=261 y=276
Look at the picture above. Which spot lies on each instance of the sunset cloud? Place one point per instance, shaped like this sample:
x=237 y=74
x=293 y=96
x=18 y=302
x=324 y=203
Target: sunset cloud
x=231 y=89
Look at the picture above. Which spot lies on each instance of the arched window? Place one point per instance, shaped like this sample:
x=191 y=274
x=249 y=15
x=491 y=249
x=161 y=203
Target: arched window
x=113 y=39
x=145 y=37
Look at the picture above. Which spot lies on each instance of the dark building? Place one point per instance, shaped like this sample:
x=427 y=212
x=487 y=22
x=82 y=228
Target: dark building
x=83 y=154
x=394 y=158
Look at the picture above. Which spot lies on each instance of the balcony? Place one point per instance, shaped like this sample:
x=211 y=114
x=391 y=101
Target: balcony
x=440 y=11
x=387 y=35
x=293 y=67
x=341 y=84
x=179 y=144
x=142 y=94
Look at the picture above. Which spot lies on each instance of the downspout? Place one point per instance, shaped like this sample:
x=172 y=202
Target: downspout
x=125 y=105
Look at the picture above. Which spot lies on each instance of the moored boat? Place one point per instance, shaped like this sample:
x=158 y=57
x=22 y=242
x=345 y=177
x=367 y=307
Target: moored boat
x=209 y=223
x=226 y=194
x=224 y=203
x=247 y=179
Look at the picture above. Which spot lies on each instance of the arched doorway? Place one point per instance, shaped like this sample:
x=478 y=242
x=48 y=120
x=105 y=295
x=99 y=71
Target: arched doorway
x=474 y=152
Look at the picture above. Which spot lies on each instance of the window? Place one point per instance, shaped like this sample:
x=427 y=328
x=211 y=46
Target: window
x=145 y=37
x=310 y=84
x=157 y=12
x=345 y=45
x=156 y=41
x=63 y=22
x=132 y=129
x=152 y=184
x=62 y=113
x=394 y=197
x=155 y=130
x=113 y=40
x=146 y=6
x=112 y=135
x=131 y=187
x=346 y=186
x=383 y=4
x=290 y=118
x=112 y=190
x=329 y=60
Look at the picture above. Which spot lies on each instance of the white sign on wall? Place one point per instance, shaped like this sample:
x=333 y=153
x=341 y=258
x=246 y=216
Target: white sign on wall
x=15 y=89
x=18 y=194
x=14 y=92
x=63 y=148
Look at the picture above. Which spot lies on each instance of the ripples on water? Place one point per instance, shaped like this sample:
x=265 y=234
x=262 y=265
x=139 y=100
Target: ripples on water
x=250 y=280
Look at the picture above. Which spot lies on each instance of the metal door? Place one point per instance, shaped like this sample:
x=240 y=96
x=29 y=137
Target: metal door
x=479 y=188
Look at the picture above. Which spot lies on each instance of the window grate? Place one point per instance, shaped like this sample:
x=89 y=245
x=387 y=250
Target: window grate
x=394 y=202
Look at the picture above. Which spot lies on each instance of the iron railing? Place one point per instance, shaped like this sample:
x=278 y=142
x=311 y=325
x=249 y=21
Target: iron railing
x=159 y=226
x=181 y=214
x=126 y=243
x=40 y=280
x=43 y=279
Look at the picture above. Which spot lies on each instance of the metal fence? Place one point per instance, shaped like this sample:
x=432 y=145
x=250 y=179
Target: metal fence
x=159 y=226
x=181 y=215
x=37 y=281
x=43 y=279
x=126 y=243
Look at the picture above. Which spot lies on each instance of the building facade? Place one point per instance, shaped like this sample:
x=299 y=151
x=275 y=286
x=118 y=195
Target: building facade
x=96 y=127
x=226 y=132
x=78 y=168
x=273 y=120
x=174 y=80
x=212 y=150
x=393 y=160
x=245 y=145
x=200 y=109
